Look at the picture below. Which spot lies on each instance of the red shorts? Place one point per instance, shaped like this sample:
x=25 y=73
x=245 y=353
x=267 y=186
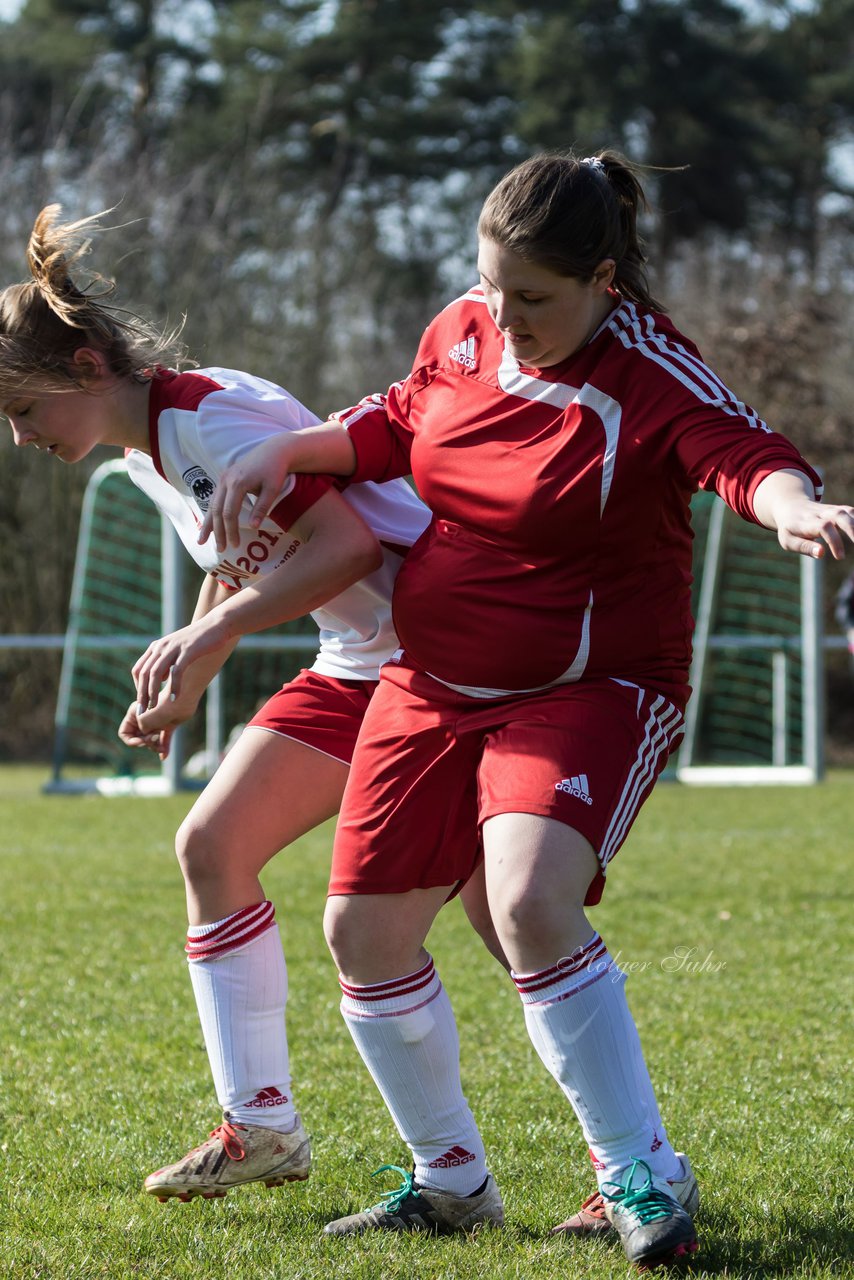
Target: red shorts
x=432 y=765
x=322 y=711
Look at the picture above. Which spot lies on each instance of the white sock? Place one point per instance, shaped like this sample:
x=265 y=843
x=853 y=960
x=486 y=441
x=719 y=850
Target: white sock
x=237 y=968
x=407 y=1036
x=580 y=1025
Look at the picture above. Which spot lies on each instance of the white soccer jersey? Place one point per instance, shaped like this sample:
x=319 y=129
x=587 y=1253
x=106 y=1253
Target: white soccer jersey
x=199 y=423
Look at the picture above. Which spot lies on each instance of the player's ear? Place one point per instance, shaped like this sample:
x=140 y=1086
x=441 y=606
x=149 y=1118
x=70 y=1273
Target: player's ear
x=89 y=367
x=604 y=274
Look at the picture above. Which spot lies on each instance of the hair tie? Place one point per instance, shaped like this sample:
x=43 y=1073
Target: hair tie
x=595 y=163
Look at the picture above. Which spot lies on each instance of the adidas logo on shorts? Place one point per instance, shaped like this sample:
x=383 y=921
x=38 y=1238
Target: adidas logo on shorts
x=577 y=786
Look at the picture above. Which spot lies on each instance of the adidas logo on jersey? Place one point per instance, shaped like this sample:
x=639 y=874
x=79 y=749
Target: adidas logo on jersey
x=464 y=352
x=576 y=786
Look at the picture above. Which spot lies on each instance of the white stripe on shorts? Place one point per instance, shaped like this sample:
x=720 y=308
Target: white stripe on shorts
x=663 y=723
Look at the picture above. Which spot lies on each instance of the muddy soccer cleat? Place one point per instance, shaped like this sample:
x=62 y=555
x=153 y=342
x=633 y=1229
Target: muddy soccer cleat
x=591 y=1219
x=414 y=1208
x=653 y=1227
x=233 y=1155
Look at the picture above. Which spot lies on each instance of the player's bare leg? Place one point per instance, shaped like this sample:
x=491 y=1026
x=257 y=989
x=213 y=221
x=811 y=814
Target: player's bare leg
x=537 y=874
x=476 y=903
x=268 y=791
x=401 y=1021
x=373 y=936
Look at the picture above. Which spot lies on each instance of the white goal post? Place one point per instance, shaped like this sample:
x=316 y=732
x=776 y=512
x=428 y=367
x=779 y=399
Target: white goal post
x=756 y=714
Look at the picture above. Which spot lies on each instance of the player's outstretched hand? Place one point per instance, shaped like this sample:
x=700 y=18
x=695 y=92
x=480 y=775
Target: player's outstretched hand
x=262 y=471
x=169 y=657
x=809 y=527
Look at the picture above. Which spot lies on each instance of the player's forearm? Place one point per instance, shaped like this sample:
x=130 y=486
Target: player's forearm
x=319 y=571
x=211 y=593
x=776 y=493
x=325 y=448
x=199 y=675
x=786 y=502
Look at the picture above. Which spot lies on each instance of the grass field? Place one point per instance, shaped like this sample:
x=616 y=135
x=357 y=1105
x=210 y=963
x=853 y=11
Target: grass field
x=731 y=908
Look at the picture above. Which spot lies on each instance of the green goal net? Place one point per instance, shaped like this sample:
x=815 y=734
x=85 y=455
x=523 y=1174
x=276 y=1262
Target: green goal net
x=132 y=583
x=755 y=711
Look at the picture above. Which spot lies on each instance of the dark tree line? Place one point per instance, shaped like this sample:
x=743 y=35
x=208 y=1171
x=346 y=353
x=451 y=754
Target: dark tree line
x=301 y=179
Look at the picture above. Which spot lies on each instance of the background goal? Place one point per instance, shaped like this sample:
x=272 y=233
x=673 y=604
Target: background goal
x=756 y=712
x=133 y=581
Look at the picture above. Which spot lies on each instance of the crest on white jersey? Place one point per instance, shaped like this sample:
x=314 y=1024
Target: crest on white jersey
x=465 y=352
x=201 y=485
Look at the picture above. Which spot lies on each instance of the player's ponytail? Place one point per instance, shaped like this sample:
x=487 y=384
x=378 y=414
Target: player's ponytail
x=569 y=213
x=53 y=251
x=62 y=308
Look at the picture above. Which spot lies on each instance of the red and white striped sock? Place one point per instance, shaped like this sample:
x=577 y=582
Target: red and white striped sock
x=580 y=1025
x=240 y=981
x=405 y=1031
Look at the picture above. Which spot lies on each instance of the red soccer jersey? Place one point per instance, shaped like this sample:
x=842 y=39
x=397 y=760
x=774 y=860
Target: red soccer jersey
x=560 y=545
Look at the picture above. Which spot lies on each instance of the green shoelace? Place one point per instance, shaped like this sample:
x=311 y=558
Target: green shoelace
x=646 y=1202
x=390 y=1201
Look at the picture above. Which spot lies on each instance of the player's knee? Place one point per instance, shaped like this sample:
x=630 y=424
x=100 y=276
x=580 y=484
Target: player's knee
x=199 y=851
x=369 y=943
x=530 y=917
x=343 y=936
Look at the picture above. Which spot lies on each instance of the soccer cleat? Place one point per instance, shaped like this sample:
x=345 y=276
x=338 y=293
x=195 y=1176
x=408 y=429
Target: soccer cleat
x=233 y=1155
x=414 y=1208
x=653 y=1227
x=591 y=1219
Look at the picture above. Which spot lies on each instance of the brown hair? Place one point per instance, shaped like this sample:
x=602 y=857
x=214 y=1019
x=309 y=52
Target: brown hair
x=568 y=214
x=46 y=319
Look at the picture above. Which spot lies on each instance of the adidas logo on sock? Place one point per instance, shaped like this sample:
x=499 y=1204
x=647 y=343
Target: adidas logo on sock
x=452 y=1159
x=576 y=786
x=269 y=1097
x=464 y=352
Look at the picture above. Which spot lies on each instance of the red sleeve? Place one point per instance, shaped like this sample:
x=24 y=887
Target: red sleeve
x=379 y=425
x=719 y=443
x=306 y=491
x=382 y=438
x=732 y=456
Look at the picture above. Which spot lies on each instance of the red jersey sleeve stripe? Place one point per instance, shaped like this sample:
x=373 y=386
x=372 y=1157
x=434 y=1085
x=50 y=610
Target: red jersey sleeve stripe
x=685 y=367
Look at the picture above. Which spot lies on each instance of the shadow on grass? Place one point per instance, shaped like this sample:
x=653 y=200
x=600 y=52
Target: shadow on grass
x=728 y=1248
